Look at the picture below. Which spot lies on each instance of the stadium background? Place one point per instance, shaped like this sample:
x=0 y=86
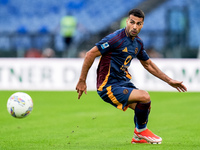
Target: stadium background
x=171 y=30
x=171 y=26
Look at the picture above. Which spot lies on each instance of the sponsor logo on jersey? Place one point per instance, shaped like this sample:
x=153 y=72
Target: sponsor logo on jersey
x=104 y=45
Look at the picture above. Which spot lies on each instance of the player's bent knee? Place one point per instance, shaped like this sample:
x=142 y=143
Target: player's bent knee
x=139 y=96
x=145 y=97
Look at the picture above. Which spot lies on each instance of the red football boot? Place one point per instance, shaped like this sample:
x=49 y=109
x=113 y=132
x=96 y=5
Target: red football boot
x=148 y=136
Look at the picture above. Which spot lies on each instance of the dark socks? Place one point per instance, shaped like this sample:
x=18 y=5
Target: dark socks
x=142 y=111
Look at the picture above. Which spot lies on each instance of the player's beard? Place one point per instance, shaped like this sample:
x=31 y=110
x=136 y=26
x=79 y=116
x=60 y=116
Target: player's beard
x=133 y=33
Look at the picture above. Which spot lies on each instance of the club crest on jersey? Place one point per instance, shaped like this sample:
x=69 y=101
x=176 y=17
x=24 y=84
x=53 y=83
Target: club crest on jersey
x=125 y=91
x=104 y=45
x=136 y=50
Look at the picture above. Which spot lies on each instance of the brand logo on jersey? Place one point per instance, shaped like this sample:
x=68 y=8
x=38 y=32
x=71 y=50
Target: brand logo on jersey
x=136 y=50
x=125 y=50
x=104 y=45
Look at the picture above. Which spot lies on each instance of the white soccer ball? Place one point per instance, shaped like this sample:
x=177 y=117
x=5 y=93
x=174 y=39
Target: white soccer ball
x=20 y=105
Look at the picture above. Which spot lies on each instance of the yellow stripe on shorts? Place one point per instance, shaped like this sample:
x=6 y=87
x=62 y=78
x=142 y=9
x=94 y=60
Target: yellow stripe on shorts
x=113 y=98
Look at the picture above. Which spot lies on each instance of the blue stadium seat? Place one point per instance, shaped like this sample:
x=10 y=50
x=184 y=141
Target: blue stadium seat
x=4 y=2
x=94 y=15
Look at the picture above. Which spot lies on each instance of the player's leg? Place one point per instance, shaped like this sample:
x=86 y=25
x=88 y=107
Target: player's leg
x=123 y=97
x=135 y=139
x=132 y=105
x=139 y=96
x=139 y=100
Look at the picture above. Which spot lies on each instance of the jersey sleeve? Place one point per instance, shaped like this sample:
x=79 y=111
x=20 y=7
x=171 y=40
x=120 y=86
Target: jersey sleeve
x=142 y=55
x=104 y=45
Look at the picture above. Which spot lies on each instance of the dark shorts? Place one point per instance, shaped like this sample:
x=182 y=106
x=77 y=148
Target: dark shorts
x=117 y=95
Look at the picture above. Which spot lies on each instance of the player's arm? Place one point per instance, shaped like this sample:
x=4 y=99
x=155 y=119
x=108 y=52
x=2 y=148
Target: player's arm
x=153 y=69
x=88 y=61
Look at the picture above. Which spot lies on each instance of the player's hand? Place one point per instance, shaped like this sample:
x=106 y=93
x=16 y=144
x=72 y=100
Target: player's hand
x=81 y=87
x=178 y=85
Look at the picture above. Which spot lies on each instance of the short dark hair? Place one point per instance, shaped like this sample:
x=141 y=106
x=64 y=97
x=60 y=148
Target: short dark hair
x=137 y=12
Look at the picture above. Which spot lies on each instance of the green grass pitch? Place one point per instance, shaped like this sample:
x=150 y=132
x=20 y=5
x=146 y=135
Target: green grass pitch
x=59 y=121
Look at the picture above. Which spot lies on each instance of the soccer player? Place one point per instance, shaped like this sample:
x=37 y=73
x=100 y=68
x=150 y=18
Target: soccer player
x=113 y=79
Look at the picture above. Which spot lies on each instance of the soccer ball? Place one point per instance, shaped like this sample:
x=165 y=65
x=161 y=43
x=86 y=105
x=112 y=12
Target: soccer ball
x=20 y=105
